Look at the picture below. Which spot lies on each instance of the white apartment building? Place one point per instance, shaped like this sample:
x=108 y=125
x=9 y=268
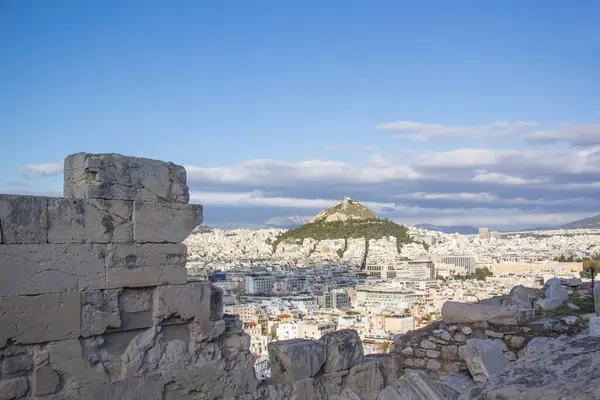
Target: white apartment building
x=336 y=298
x=259 y=283
x=287 y=330
x=467 y=262
x=386 y=297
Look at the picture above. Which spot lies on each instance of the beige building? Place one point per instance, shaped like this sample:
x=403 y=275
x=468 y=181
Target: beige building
x=520 y=267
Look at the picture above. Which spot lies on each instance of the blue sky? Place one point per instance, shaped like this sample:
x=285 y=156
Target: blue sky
x=476 y=112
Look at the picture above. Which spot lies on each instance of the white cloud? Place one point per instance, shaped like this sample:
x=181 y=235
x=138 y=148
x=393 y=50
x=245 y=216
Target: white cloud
x=41 y=170
x=496 y=177
x=523 y=131
x=423 y=132
x=264 y=171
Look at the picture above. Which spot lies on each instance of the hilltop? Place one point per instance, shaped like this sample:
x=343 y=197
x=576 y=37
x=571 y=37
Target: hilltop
x=585 y=223
x=346 y=210
x=348 y=219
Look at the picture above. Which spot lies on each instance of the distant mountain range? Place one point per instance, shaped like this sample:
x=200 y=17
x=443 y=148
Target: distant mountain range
x=288 y=221
x=462 y=229
x=585 y=223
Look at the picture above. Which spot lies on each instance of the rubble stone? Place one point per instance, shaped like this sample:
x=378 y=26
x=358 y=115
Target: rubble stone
x=344 y=350
x=484 y=358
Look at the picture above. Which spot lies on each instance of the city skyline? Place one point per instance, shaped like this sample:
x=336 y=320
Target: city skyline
x=450 y=115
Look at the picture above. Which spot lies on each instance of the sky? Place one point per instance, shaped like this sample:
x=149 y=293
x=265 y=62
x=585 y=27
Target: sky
x=482 y=113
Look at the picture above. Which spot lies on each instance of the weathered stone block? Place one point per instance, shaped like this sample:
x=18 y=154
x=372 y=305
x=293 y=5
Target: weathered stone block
x=365 y=378
x=148 y=387
x=136 y=308
x=12 y=365
x=146 y=255
x=38 y=319
x=192 y=300
x=114 y=176
x=216 y=303
x=296 y=359
x=45 y=380
x=89 y=220
x=99 y=310
x=162 y=222
x=14 y=388
x=484 y=358
x=344 y=350
x=46 y=268
x=144 y=276
x=24 y=219
x=413 y=385
x=466 y=313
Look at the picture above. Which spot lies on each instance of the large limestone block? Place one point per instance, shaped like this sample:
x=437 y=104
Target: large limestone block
x=23 y=219
x=191 y=300
x=139 y=265
x=163 y=222
x=46 y=268
x=99 y=311
x=114 y=176
x=144 y=276
x=569 y=370
x=414 y=385
x=148 y=387
x=89 y=220
x=467 y=313
x=74 y=360
x=344 y=350
x=484 y=358
x=146 y=255
x=38 y=319
x=296 y=359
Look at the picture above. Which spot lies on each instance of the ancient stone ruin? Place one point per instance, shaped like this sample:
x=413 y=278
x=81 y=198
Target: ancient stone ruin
x=95 y=304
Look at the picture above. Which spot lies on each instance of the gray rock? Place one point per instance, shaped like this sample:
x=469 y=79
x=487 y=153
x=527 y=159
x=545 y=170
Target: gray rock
x=460 y=382
x=549 y=304
x=414 y=385
x=365 y=378
x=484 y=358
x=573 y=307
x=465 y=313
x=570 y=320
x=570 y=369
x=344 y=350
x=114 y=176
x=45 y=381
x=14 y=388
x=573 y=282
x=521 y=297
x=296 y=359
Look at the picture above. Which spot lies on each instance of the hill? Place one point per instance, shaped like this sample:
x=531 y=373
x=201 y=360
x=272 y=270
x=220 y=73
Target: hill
x=586 y=223
x=346 y=210
x=462 y=229
x=348 y=219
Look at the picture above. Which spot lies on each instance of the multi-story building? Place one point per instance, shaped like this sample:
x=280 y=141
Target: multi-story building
x=259 y=283
x=386 y=297
x=467 y=262
x=336 y=298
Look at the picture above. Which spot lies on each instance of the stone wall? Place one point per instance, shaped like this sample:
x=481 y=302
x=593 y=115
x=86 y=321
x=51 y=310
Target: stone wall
x=94 y=298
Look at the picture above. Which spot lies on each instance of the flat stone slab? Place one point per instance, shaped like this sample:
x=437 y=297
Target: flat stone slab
x=117 y=177
x=467 y=313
